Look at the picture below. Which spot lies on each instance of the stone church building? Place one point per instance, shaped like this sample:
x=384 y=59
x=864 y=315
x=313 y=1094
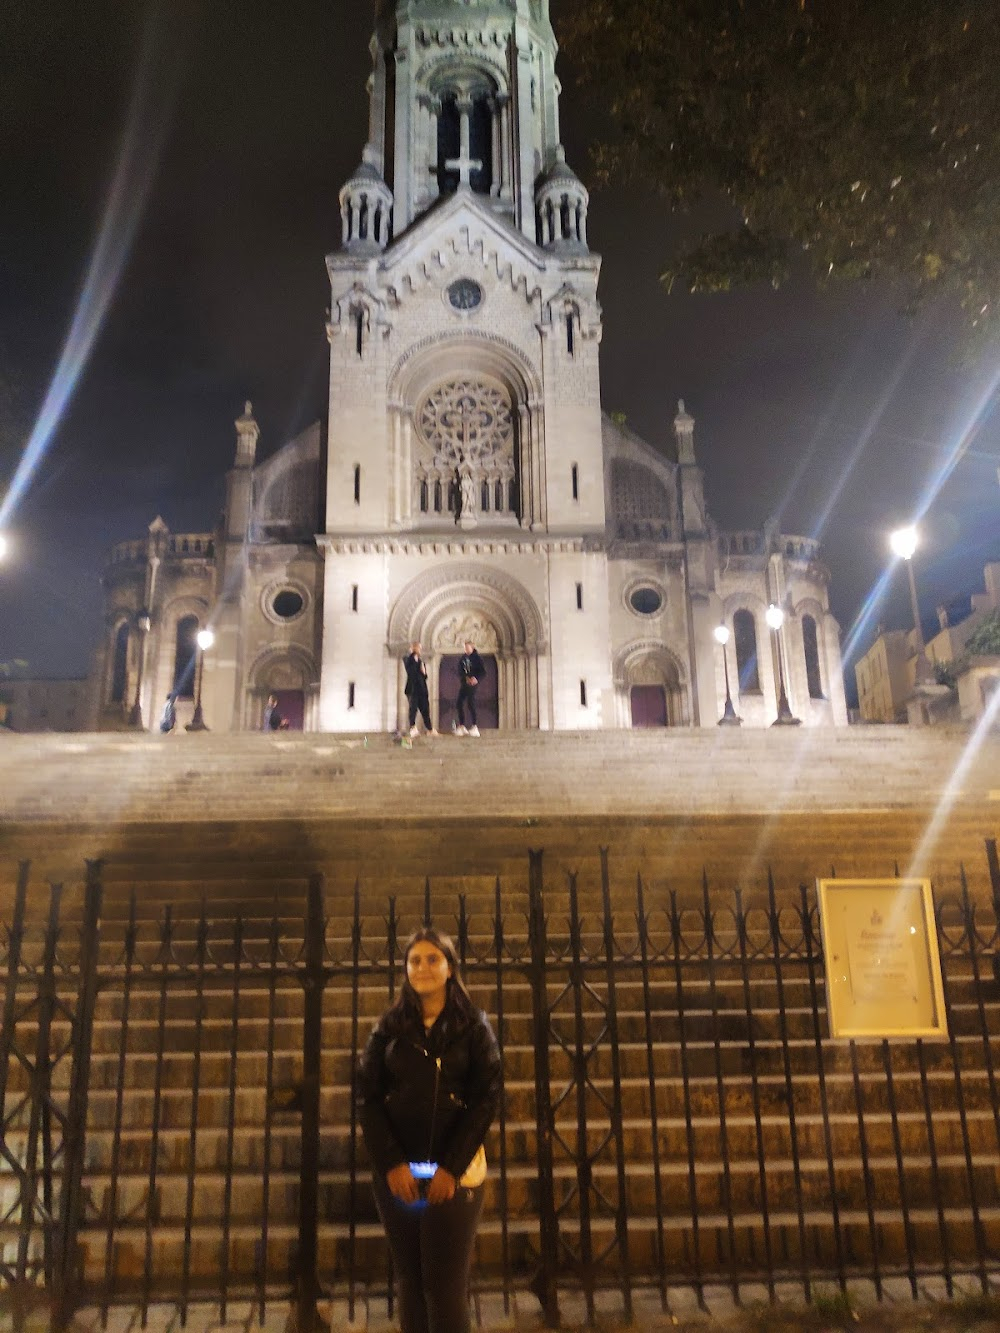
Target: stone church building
x=466 y=484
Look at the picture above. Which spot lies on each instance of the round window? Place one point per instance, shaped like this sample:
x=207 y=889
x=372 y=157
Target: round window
x=647 y=601
x=464 y=294
x=287 y=604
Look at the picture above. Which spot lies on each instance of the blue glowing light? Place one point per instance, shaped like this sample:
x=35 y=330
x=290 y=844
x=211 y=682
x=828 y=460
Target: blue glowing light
x=135 y=170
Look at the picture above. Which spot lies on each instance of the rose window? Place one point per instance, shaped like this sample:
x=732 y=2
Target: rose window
x=467 y=421
x=467 y=467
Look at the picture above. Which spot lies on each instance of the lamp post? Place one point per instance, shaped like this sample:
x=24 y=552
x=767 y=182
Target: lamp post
x=728 y=718
x=4 y=546
x=205 y=638
x=143 y=623
x=904 y=542
x=776 y=618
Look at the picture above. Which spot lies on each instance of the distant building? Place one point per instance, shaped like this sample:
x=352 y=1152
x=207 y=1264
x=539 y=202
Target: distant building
x=47 y=705
x=885 y=677
x=962 y=684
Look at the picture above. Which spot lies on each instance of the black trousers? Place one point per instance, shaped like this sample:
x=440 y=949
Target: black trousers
x=420 y=703
x=467 y=695
x=431 y=1248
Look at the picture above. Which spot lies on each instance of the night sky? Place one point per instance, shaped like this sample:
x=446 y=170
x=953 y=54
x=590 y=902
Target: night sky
x=829 y=408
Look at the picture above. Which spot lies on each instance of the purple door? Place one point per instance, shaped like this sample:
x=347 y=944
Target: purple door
x=649 y=706
x=292 y=707
x=487 y=700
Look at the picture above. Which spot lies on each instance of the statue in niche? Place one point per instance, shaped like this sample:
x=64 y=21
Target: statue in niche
x=467 y=485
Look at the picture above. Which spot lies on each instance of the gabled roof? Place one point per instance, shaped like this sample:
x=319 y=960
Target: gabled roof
x=499 y=243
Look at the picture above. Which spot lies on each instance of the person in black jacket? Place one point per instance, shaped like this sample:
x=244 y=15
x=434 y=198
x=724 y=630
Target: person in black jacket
x=416 y=690
x=429 y=1087
x=471 y=670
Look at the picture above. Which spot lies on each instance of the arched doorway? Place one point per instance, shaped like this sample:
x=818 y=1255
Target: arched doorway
x=466 y=600
x=289 y=673
x=650 y=687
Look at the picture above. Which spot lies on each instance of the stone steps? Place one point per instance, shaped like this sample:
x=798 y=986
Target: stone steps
x=734 y=1079
x=120 y=779
x=720 y=1248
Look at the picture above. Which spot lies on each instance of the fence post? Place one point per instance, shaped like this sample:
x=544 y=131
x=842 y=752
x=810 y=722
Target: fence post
x=75 y=1132
x=544 y=1285
x=313 y=983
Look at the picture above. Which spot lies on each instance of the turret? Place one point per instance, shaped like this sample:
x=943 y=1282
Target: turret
x=366 y=207
x=561 y=204
x=239 y=480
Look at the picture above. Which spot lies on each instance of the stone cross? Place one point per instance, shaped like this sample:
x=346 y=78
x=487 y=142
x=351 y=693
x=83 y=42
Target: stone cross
x=465 y=164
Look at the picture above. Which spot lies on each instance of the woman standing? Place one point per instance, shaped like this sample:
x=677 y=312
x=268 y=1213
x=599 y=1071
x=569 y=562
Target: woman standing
x=429 y=1088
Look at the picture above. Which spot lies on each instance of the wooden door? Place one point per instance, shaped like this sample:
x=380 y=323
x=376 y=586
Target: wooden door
x=649 y=706
x=292 y=707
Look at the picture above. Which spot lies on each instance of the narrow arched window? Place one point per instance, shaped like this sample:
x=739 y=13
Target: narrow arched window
x=484 y=497
x=810 y=645
x=449 y=144
x=184 y=657
x=119 y=664
x=745 y=637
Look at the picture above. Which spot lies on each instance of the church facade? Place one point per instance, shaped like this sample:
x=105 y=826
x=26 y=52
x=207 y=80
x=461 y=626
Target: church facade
x=466 y=483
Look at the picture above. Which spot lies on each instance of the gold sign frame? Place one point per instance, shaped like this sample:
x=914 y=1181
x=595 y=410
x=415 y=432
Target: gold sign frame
x=880 y=951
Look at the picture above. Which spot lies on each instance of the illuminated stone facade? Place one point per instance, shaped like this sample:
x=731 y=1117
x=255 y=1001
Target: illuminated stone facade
x=467 y=483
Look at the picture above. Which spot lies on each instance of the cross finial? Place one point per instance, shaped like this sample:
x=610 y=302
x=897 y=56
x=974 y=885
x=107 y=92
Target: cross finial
x=465 y=166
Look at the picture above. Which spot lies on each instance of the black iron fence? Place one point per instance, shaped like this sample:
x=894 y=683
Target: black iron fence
x=177 y=1098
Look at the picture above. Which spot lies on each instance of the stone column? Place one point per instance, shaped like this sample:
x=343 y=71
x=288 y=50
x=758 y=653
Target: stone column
x=497 y=174
x=505 y=172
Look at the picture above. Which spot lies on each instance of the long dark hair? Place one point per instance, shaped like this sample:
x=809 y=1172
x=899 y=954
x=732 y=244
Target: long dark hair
x=458 y=1006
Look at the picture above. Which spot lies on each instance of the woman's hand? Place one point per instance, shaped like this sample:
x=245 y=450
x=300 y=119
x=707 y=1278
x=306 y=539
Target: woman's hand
x=442 y=1186
x=402 y=1184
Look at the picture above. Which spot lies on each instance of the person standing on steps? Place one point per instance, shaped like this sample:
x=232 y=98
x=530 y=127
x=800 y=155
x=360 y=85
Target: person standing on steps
x=416 y=690
x=274 y=719
x=429 y=1087
x=471 y=670
x=168 y=718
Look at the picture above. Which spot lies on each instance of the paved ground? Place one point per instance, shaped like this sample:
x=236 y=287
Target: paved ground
x=968 y=1312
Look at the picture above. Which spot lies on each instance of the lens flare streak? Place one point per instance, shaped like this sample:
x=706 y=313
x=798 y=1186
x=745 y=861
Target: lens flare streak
x=138 y=156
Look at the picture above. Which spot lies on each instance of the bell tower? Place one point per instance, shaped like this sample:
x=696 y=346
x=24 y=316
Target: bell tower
x=464 y=94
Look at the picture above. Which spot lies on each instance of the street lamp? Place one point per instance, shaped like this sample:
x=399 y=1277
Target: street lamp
x=4 y=546
x=775 y=618
x=143 y=623
x=904 y=542
x=728 y=718
x=204 y=639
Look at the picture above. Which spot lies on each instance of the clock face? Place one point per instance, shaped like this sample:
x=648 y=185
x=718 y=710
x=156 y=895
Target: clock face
x=465 y=294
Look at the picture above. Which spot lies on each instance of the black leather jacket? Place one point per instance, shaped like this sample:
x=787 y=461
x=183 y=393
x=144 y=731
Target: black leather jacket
x=429 y=1096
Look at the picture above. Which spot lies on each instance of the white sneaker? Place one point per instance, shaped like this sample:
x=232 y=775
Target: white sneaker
x=414 y=732
x=460 y=731
x=473 y=731
x=433 y=732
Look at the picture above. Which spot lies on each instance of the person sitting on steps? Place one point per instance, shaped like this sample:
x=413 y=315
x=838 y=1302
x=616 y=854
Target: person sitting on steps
x=471 y=670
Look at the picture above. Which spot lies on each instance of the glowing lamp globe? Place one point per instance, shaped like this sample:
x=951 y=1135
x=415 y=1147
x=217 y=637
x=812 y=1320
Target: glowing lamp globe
x=904 y=542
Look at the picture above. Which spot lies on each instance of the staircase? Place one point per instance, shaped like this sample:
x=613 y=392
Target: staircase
x=704 y=1127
